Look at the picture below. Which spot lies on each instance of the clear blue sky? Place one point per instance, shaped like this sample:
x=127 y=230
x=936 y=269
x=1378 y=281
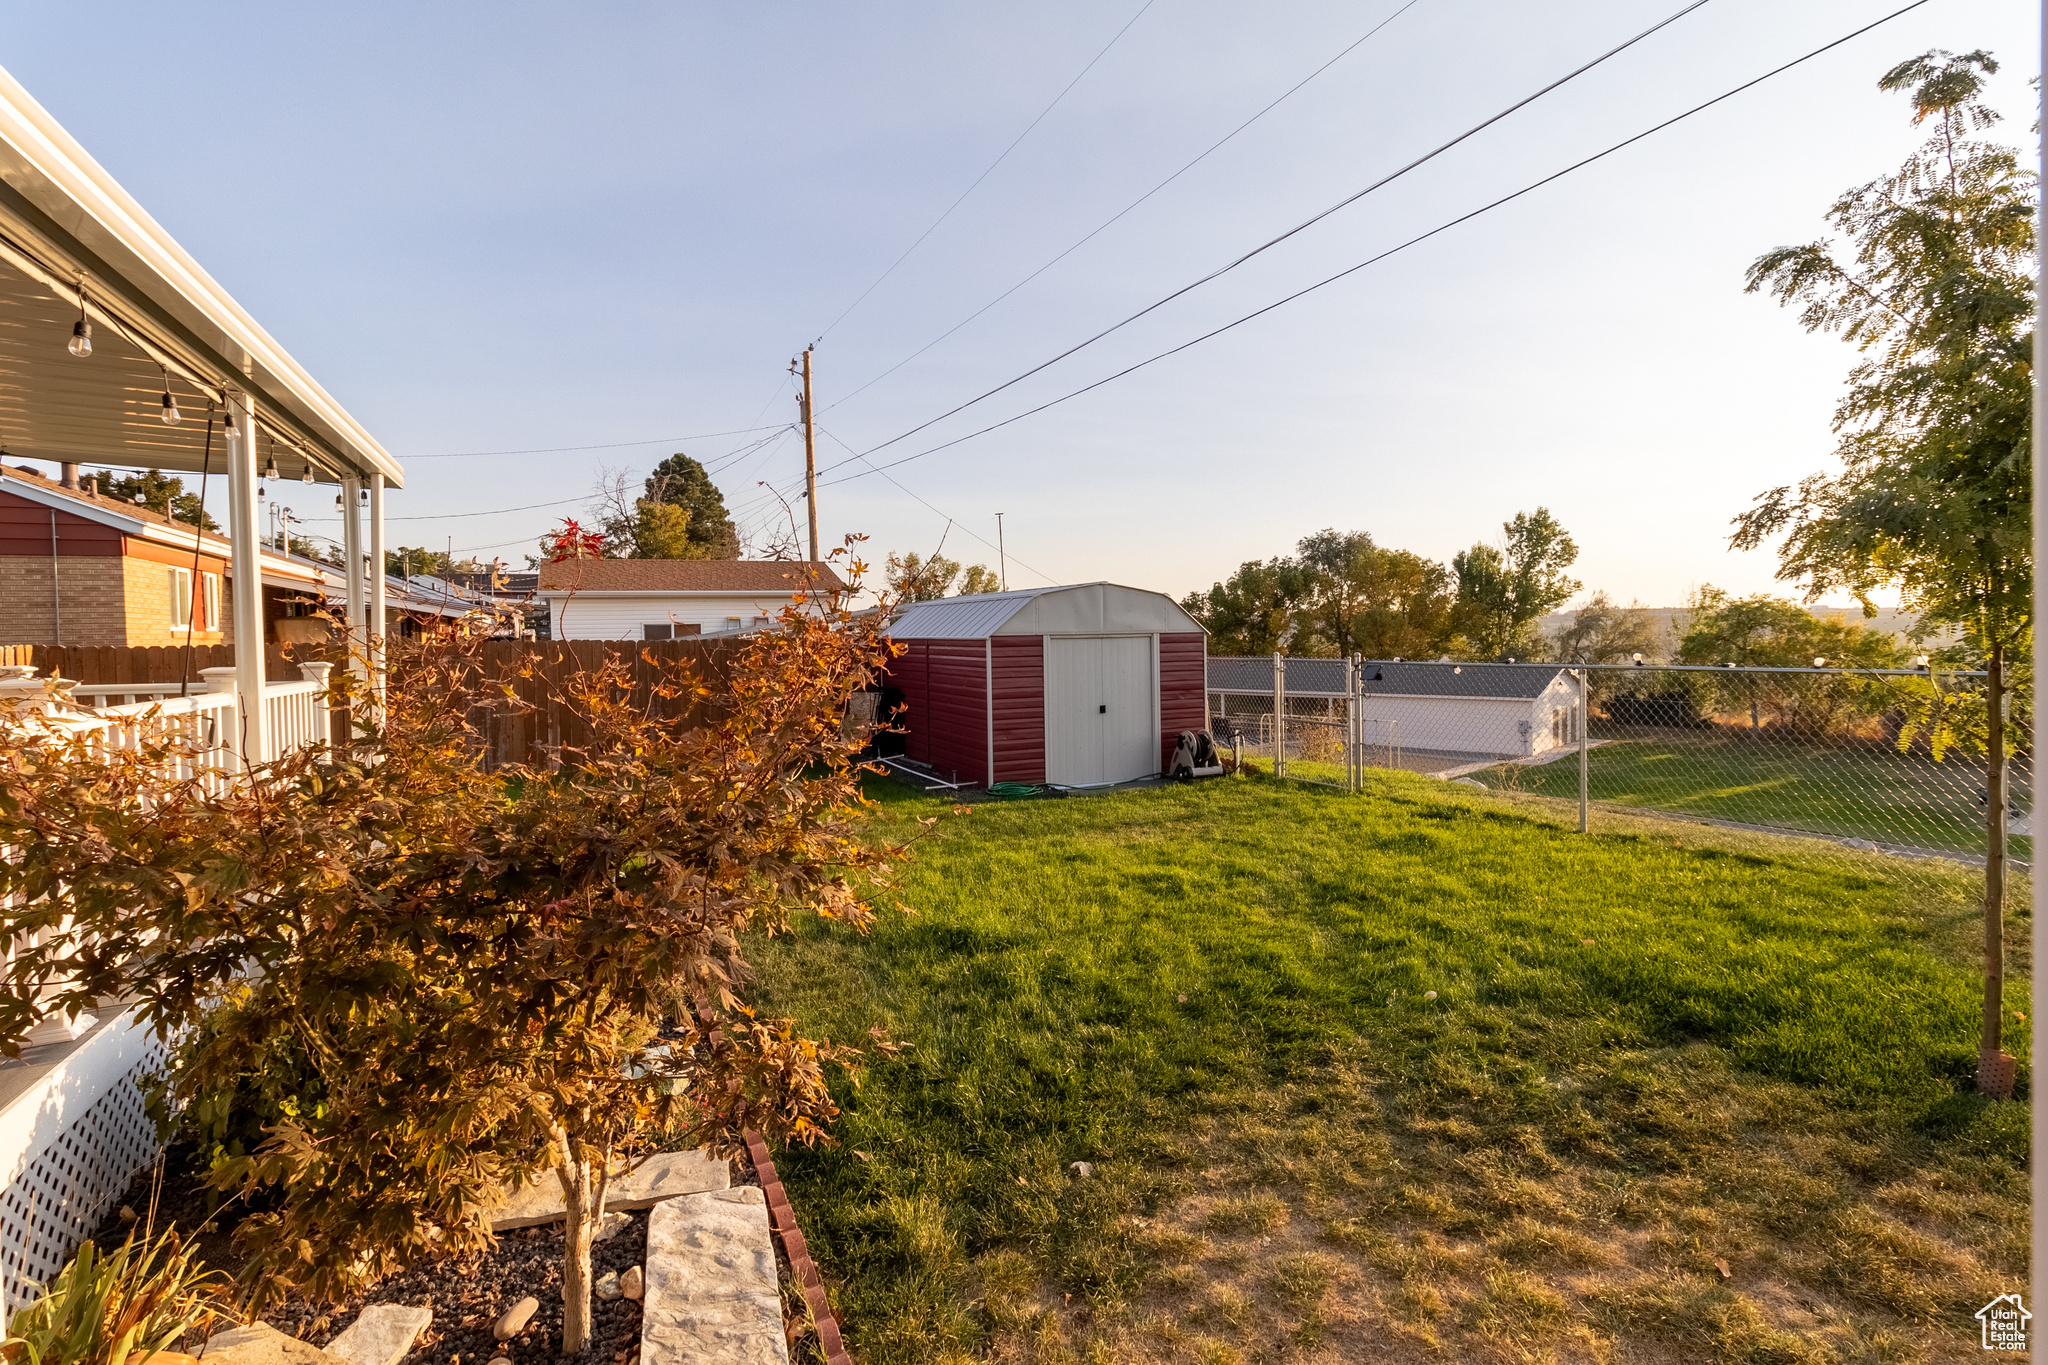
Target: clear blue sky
x=490 y=227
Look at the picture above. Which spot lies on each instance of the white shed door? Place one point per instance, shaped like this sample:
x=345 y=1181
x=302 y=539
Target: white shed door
x=1100 y=710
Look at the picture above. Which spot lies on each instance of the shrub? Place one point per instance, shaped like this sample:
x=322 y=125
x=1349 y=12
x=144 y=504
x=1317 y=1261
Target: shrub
x=107 y=1310
x=269 y=1080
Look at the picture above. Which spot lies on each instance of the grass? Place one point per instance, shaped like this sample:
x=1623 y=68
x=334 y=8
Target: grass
x=1652 y=1052
x=1867 y=792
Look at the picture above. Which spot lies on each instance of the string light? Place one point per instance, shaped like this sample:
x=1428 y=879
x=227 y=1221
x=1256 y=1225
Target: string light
x=307 y=477
x=270 y=469
x=81 y=330
x=171 y=414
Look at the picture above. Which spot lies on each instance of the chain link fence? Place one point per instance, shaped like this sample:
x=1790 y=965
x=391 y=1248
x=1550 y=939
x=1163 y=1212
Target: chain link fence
x=1862 y=761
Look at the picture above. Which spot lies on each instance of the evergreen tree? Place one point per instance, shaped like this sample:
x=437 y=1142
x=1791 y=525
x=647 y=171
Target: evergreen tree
x=684 y=482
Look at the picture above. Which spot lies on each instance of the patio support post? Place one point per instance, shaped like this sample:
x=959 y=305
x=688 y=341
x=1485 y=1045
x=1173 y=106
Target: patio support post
x=376 y=635
x=352 y=560
x=246 y=571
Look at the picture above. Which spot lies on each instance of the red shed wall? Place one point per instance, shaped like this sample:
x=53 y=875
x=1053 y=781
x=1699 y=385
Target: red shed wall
x=945 y=700
x=1183 y=689
x=1020 y=707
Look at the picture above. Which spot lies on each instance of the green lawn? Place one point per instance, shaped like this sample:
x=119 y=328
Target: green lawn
x=1651 y=1051
x=1870 y=793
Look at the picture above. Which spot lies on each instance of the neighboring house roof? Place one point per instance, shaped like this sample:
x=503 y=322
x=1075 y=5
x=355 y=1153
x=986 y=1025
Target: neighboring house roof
x=136 y=520
x=1065 y=609
x=1325 y=677
x=772 y=576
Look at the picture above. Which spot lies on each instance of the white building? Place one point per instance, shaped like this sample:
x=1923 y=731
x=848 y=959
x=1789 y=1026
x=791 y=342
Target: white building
x=665 y=599
x=1485 y=710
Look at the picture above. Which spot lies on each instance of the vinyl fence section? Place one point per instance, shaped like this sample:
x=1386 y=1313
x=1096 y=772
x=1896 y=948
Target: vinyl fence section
x=1884 y=761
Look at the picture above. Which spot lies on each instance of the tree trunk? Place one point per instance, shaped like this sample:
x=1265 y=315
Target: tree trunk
x=1994 y=1074
x=583 y=1204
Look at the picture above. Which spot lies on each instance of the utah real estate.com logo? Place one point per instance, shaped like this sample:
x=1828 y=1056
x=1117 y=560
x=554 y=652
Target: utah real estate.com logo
x=2004 y=1320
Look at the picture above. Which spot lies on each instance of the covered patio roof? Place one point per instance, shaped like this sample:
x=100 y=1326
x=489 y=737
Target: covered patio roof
x=69 y=232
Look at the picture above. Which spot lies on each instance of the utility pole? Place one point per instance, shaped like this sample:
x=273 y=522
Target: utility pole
x=1002 y=555
x=810 y=458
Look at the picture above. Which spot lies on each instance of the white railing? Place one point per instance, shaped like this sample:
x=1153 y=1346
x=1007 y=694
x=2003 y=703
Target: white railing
x=94 y=696
x=297 y=713
x=201 y=729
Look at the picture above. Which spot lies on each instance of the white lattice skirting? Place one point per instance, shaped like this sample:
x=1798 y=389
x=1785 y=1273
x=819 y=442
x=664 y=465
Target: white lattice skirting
x=69 y=1146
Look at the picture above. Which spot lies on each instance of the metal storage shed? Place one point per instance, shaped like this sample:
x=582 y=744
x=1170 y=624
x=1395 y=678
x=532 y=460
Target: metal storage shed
x=1075 y=686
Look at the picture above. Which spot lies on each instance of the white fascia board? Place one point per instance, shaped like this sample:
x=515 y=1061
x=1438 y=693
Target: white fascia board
x=48 y=168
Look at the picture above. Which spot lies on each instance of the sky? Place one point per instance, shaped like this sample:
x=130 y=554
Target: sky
x=528 y=227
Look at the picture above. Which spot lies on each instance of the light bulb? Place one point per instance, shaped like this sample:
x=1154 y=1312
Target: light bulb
x=81 y=339
x=171 y=414
x=1819 y=662
x=307 y=477
x=270 y=470
x=337 y=502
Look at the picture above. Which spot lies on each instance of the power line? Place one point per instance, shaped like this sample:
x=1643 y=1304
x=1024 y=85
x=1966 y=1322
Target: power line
x=613 y=445
x=1381 y=256
x=985 y=174
x=1116 y=217
x=951 y=521
x=1302 y=226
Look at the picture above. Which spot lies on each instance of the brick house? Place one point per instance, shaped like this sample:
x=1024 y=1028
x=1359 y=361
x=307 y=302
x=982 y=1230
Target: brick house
x=80 y=569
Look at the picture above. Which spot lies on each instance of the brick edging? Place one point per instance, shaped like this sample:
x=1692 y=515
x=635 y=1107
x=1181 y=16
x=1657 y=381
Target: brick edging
x=783 y=1217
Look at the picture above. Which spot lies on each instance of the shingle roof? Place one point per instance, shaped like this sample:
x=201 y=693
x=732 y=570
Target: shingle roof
x=103 y=503
x=1396 y=679
x=687 y=575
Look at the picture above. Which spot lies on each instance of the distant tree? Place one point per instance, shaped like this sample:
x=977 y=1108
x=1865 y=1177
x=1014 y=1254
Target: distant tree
x=407 y=560
x=1761 y=631
x=1503 y=589
x=161 y=493
x=1605 y=632
x=913 y=578
x=661 y=530
x=979 y=578
x=1252 y=611
x=1935 y=441
x=571 y=541
x=680 y=481
x=1362 y=599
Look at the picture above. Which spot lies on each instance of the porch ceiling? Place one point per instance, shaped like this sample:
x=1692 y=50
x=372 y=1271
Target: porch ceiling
x=65 y=222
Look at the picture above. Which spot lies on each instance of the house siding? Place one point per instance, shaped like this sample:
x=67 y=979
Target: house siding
x=1019 y=691
x=1183 y=683
x=582 y=616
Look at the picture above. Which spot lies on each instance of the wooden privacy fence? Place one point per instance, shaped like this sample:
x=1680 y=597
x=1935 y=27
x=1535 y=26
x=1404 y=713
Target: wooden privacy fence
x=534 y=728
x=101 y=665
x=531 y=730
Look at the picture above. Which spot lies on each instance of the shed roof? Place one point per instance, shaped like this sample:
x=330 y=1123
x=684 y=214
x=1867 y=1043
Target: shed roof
x=1067 y=609
x=1397 y=678
x=778 y=576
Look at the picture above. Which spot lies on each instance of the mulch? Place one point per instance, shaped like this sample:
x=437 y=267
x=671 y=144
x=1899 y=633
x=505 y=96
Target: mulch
x=467 y=1294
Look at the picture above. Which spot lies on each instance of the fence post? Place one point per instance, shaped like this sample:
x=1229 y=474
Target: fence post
x=1585 y=724
x=1279 y=715
x=1353 y=726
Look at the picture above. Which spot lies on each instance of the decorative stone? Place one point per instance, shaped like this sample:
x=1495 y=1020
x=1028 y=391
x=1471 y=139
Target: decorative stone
x=501 y=1360
x=613 y=1223
x=261 y=1344
x=661 y=1176
x=1084 y=1169
x=607 y=1286
x=633 y=1284
x=711 y=1290
x=513 y=1320
x=382 y=1334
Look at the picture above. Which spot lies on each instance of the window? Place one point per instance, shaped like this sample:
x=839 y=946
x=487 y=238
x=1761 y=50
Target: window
x=181 y=598
x=732 y=623
x=209 y=601
x=760 y=623
x=664 y=631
